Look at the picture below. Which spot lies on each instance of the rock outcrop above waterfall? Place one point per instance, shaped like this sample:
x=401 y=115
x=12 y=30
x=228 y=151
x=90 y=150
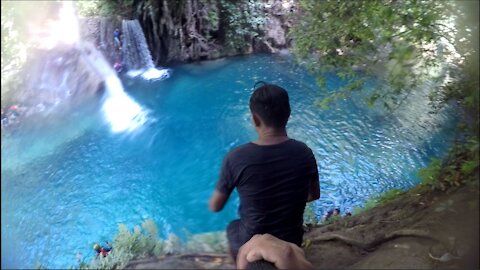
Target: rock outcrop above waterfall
x=56 y=82
x=99 y=31
x=67 y=74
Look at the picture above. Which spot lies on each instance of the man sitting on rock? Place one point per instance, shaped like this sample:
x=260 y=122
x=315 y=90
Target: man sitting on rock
x=275 y=175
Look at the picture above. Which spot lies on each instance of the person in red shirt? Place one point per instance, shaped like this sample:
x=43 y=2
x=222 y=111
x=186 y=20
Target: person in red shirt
x=102 y=250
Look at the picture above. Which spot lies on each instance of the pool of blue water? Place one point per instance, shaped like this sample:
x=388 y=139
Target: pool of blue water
x=67 y=187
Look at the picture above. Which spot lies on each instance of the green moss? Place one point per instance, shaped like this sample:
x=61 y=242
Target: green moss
x=379 y=200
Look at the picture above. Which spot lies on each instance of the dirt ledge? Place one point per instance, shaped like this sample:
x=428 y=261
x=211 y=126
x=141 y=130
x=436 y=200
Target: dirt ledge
x=420 y=229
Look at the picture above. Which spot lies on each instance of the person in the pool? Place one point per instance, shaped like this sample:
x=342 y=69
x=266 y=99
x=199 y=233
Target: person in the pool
x=275 y=175
x=104 y=250
x=332 y=213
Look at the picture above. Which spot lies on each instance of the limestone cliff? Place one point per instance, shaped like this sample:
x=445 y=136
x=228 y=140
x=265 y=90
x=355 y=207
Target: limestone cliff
x=191 y=30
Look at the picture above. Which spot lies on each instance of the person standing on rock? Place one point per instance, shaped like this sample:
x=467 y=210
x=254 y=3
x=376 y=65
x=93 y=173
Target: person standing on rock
x=275 y=175
x=116 y=38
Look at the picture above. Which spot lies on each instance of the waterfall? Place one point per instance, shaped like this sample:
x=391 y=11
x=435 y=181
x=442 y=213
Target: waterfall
x=68 y=68
x=135 y=50
x=121 y=111
x=136 y=54
x=73 y=69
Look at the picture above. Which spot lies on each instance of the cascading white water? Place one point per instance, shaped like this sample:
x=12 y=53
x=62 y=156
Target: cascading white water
x=135 y=49
x=120 y=110
x=137 y=56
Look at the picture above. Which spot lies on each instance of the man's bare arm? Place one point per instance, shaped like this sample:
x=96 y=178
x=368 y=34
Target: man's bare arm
x=313 y=190
x=217 y=201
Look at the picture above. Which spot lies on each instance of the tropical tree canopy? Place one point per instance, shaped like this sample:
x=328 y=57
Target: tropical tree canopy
x=400 y=43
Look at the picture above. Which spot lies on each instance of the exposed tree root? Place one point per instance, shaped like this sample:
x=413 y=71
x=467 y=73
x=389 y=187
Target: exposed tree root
x=188 y=256
x=368 y=246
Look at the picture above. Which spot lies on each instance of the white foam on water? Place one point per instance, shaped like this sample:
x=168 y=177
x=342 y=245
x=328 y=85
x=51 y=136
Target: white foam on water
x=120 y=110
x=150 y=73
x=134 y=73
x=156 y=74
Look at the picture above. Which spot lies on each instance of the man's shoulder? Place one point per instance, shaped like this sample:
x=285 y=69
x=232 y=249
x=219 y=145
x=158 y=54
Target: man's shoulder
x=299 y=145
x=248 y=148
x=239 y=150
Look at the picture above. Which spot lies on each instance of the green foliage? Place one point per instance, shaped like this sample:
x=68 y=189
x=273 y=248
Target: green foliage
x=242 y=21
x=140 y=243
x=461 y=165
x=379 y=200
x=213 y=19
x=89 y=8
x=143 y=242
x=309 y=216
x=430 y=175
x=105 y=7
x=210 y=13
x=389 y=196
x=81 y=266
x=401 y=43
x=371 y=203
x=14 y=43
x=215 y=242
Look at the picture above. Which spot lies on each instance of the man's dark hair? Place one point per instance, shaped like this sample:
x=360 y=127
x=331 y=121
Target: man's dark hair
x=271 y=103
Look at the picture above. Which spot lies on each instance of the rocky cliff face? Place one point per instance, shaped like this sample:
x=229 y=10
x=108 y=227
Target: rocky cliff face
x=99 y=31
x=182 y=31
x=65 y=74
x=191 y=30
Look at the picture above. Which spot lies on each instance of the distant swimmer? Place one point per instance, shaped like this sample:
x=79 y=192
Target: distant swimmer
x=104 y=250
x=118 y=67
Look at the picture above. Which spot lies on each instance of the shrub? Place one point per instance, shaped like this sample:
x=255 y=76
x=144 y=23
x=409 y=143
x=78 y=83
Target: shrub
x=140 y=243
x=460 y=165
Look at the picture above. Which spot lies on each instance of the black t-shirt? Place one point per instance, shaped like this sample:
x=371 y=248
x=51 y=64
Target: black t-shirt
x=273 y=183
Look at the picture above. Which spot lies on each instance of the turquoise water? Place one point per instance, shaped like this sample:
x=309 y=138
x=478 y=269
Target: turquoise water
x=65 y=188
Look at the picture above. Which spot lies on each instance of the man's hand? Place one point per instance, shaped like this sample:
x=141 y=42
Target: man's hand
x=282 y=254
